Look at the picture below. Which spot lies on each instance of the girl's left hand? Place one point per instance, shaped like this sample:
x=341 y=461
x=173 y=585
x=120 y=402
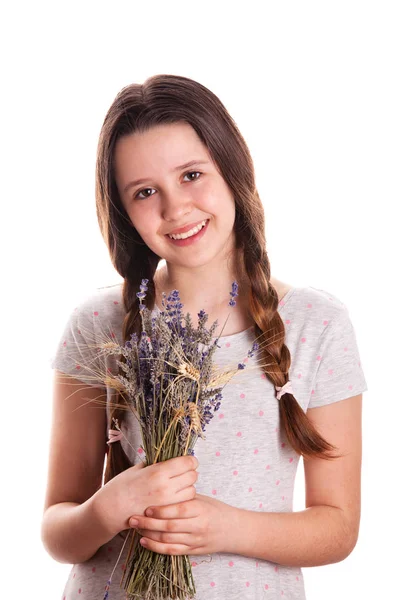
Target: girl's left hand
x=202 y=525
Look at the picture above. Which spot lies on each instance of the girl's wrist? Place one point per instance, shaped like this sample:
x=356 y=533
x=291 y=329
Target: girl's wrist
x=104 y=515
x=233 y=530
x=72 y=533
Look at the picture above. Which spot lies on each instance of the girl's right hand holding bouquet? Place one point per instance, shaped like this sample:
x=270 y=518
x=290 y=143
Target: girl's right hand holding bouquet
x=80 y=514
x=135 y=489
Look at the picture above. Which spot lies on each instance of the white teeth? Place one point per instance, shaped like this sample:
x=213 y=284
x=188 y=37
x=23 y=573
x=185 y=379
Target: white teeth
x=183 y=236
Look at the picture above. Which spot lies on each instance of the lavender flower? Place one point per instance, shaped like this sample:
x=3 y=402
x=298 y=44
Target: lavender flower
x=254 y=348
x=233 y=293
x=142 y=294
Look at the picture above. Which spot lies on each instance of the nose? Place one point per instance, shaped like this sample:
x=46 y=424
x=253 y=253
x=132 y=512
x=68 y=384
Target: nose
x=176 y=204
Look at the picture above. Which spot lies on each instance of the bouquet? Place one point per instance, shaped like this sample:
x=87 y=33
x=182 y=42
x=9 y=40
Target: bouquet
x=173 y=388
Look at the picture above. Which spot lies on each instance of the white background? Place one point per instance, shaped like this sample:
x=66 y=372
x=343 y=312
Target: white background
x=314 y=88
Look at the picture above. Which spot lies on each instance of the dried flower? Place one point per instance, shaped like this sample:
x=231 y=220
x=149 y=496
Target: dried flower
x=171 y=385
x=142 y=294
x=233 y=293
x=254 y=349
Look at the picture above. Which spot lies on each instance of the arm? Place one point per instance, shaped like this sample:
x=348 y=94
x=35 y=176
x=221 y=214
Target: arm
x=72 y=533
x=72 y=526
x=327 y=530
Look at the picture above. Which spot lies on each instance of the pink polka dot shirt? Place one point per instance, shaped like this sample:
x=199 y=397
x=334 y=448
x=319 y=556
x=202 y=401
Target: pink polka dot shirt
x=245 y=460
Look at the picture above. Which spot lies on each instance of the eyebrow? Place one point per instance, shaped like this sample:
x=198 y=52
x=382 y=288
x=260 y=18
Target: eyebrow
x=184 y=166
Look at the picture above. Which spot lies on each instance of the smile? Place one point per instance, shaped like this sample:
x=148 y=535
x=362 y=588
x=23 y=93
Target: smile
x=183 y=236
x=184 y=239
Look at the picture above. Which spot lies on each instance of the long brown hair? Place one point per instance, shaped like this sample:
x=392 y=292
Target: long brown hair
x=164 y=99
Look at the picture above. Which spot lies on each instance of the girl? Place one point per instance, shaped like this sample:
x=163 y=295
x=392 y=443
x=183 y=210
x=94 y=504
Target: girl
x=175 y=181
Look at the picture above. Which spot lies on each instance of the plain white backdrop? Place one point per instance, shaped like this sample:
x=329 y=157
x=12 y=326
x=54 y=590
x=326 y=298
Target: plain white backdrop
x=314 y=88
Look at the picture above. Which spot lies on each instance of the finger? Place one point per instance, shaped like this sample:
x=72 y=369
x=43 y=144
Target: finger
x=179 y=465
x=172 y=549
x=163 y=537
x=180 y=510
x=185 y=480
x=170 y=525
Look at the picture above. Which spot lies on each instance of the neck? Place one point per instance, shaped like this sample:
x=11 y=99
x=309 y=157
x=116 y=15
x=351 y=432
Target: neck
x=208 y=288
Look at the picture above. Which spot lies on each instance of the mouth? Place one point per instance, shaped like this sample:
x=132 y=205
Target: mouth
x=189 y=237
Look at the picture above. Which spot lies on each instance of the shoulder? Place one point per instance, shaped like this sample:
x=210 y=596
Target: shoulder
x=319 y=298
x=315 y=305
x=109 y=294
x=105 y=294
x=101 y=303
x=309 y=303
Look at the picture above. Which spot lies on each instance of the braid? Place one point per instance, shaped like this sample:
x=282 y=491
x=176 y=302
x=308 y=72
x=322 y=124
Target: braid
x=263 y=301
x=117 y=460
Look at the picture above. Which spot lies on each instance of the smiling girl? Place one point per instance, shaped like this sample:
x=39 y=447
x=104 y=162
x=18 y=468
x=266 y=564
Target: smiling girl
x=175 y=181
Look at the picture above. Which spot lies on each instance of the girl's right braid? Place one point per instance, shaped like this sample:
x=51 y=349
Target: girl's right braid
x=300 y=431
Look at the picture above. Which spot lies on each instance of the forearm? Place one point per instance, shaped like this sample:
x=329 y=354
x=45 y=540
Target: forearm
x=315 y=536
x=72 y=533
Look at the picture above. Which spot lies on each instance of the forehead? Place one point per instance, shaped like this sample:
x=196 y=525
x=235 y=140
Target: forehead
x=161 y=147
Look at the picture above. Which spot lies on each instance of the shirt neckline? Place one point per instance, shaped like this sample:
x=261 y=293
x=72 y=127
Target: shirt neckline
x=282 y=303
x=246 y=332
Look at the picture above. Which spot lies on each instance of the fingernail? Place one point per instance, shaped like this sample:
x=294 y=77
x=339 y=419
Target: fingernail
x=149 y=512
x=133 y=522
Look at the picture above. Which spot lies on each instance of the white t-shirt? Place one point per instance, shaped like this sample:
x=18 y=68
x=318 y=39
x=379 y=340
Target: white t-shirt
x=246 y=460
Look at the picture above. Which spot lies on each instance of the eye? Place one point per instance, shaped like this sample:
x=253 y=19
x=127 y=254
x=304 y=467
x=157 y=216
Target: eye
x=191 y=173
x=146 y=189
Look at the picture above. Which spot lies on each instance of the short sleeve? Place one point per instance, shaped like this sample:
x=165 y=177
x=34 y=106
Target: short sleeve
x=77 y=352
x=339 y=374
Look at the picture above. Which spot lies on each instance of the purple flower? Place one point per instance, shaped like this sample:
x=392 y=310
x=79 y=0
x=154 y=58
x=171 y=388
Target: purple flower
x=233 y=293
x=241 y=366
x=207 y=415
x=142 y=293
x=202 y=317
x=253 y=349
x=173 y=308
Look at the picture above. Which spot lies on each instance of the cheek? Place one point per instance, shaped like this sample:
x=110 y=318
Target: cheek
x=143 y=222
x=216 y=199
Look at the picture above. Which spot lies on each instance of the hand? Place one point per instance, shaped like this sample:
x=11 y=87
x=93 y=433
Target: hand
x=198 y=526
x=133 y=490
